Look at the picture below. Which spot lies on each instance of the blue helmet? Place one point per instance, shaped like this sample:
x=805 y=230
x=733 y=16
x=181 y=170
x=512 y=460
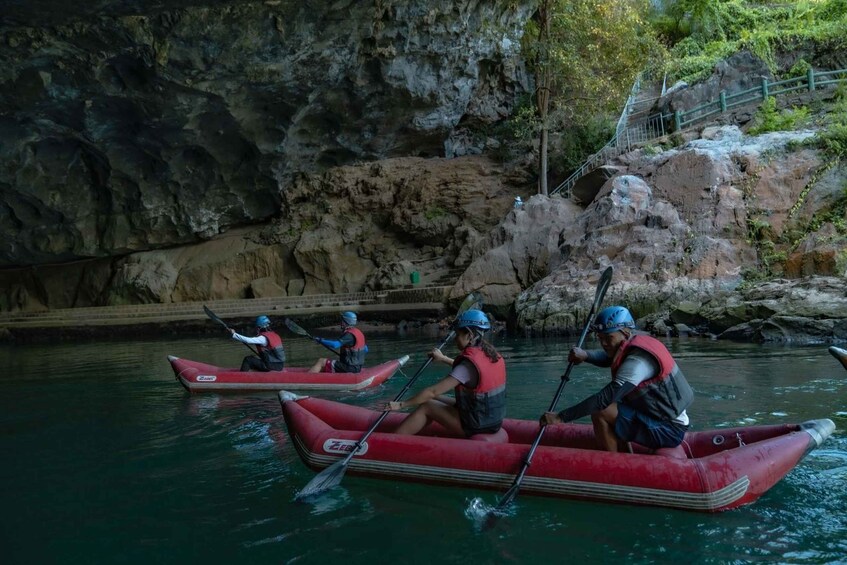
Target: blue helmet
x=349 y=318
x=473 y=319
x=612 y=319
x=263 y=322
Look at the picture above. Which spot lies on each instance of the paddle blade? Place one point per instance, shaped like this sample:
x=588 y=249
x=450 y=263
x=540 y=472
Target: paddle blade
x=325 y=480
x=490 y=516
x=292 y=325
x=602 y=285
x=473 y=301
x=508 y=498
x=599 y=293
x=212 y=316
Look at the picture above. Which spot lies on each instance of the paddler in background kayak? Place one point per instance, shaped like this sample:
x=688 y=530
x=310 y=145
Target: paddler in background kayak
x=268 y=343
x=478 y=379
x=351 y=346
x=646 y=400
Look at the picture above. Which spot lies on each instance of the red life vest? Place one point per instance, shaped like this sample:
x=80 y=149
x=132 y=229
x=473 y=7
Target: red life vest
x=663 y=396
x=353 y=356
x=274 y=352
x=482 y=409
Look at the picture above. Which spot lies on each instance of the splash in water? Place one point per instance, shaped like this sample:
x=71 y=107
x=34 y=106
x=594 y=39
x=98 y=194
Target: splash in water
x=484 y=515
x=477 y=510
x=326 y=501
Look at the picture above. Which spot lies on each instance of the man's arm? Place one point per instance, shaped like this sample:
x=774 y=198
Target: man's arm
x=607 y=395
x=636 y=368
x=596 y=357
x=258 y=340
x=345 y=340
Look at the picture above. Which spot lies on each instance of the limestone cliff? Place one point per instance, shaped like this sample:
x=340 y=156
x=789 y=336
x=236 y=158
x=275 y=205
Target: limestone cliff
x=701 y=225
x=130 y=126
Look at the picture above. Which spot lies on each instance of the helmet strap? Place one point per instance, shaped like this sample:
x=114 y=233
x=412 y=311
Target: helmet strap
x=476 y=335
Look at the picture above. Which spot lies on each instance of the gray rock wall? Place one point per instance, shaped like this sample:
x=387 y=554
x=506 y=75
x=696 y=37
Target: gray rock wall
x=131 y=126
x=684 y=226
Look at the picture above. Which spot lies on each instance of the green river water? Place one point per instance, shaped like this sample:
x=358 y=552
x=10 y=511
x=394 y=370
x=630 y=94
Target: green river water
x=106 y=459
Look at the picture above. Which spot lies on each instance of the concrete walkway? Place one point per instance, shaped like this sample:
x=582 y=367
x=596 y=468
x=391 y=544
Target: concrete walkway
x=416 y=300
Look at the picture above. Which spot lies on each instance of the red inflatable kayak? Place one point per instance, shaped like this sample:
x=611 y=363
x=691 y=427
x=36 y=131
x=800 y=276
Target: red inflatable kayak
x=711 y=471
x=201 y=377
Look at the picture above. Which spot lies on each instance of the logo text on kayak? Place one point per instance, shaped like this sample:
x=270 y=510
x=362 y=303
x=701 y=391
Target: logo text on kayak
x=206 y=378
x=343 y=446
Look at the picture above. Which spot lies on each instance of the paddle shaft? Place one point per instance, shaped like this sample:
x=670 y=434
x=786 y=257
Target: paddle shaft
x=332 y=475
x=215 y=318
x=603 y=284
x=298 y=329
x=400 y=394
x=528 y=461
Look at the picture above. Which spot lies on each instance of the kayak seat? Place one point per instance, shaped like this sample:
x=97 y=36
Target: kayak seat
x=501 y=436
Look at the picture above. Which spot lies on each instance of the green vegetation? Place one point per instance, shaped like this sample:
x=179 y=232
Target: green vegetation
x=702 y=32
x=768 y=118
x=832 y=138
x=584 y=55
x=835 y=215
x=583 y=139
x=517 y=133
x=434 y=212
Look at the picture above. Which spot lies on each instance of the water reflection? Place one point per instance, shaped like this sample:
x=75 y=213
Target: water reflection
x=104 y=438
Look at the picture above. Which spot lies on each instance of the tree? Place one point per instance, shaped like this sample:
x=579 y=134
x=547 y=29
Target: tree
x=585 y=55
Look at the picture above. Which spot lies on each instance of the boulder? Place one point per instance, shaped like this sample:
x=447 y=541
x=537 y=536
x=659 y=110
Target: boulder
x=265 y=287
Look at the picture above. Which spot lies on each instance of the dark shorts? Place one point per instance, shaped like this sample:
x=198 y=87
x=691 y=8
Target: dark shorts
x=252 y=363
x=338 y=367
x=649 y=432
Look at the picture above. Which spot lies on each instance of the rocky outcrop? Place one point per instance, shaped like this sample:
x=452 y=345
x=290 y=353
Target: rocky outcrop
x=740 y=72
x=150 y=124
x=517 y=253
x=809 y=310
x=683 y=230
x=371 y=226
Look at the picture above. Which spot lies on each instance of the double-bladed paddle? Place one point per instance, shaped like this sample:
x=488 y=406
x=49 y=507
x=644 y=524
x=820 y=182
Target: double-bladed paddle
x=214 y=318
x=332 y=475
x=510 y=495
x=295 y=328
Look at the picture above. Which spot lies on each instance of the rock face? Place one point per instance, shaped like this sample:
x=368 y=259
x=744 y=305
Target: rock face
x=370 y=227
x=737 y=73
x=157 y=124
x=685 y=226
x=375 y=224
x=809 y=310
x=517 y=253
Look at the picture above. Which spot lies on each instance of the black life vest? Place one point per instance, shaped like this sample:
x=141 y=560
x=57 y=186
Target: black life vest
x=353 y=356
x=274 y=352
x=482 y=409
x=664 y=396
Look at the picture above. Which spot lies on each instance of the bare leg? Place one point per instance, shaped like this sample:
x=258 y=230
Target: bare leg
x=318 y=366
x=604 y=429
x=433 y=410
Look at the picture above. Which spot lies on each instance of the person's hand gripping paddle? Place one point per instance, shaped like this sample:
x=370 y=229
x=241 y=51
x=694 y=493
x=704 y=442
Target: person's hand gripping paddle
x=332 y=475
x=510 y=494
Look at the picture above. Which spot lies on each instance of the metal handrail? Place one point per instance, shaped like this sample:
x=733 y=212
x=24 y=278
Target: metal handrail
x=621 y=141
